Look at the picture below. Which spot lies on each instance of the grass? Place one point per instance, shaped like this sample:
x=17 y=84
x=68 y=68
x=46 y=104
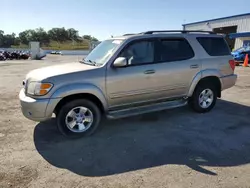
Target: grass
x=19 y=46
x=54 y=45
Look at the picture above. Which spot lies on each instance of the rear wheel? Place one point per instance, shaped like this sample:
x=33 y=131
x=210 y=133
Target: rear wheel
x=78 y=118
x=204 y=98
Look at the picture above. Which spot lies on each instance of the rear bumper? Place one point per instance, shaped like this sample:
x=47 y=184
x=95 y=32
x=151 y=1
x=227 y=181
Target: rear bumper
x=228 y=81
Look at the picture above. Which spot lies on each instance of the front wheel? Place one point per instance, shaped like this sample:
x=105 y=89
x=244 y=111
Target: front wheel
x=78 y=118
x=204 y=98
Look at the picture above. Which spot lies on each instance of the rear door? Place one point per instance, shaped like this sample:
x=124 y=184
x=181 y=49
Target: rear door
x=177 y=66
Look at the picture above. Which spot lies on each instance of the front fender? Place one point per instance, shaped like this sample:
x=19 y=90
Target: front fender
x=203 y=74
x=79 y=88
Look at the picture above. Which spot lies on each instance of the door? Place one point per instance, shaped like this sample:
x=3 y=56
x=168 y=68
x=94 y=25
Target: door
x=157 y=69
x=177 y=66
x=133 y=83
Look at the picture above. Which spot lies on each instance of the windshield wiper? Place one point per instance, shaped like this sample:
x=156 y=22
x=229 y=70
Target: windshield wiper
x=92 y=62
x=89 y=62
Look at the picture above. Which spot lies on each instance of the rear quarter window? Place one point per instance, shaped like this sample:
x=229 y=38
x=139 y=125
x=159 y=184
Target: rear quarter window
x=214 y=46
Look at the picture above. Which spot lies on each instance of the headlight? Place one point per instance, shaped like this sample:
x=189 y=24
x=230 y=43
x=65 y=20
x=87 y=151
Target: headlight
x=38 y=88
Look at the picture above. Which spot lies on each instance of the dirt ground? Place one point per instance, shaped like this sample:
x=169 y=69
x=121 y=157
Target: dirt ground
x=174 y=148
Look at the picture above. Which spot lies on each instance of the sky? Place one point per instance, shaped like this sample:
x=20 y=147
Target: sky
x=103 y=18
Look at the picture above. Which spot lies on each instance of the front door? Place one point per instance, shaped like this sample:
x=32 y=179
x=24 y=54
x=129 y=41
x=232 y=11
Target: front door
x=133 y=83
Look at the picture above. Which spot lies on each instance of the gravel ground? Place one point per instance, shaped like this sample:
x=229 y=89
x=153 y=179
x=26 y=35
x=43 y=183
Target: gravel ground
x=174 y=148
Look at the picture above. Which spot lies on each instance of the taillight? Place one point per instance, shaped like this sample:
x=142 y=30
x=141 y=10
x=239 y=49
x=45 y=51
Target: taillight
x=232 y=64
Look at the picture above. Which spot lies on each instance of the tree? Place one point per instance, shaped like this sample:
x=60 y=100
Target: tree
x=94 y=39
x=23 y=36
x=7 y=41
x=72 y=34
x=42 y=36
x=1 y=37
x=39 y=34
x=89 y=37
x=17 y=41
x=58 y=34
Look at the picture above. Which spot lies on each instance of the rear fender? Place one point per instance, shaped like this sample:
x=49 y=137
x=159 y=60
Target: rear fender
x=203 y=74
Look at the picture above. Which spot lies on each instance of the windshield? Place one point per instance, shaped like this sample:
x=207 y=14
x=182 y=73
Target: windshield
x=101 y=53
x=239 y=49
x=243 y=48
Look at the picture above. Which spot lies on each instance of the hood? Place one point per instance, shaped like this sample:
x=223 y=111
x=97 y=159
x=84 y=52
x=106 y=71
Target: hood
x=236 y=53
x=56 y=70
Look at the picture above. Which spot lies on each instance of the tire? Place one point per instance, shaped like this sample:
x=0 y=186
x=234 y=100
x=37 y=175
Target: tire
x=75 y=132
x=194 y=101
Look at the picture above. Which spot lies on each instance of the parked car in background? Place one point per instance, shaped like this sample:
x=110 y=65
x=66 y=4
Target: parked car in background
x=2 y=57
x=130 y=75
x=56 y=52
x=24 y=55
x=6 y=55
x=240 y=53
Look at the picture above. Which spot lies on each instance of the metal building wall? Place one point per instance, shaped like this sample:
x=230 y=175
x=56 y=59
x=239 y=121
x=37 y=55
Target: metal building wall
x=243 y=23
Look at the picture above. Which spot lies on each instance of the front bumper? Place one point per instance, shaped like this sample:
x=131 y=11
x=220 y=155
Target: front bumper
x=228 y=81
x=34 y=109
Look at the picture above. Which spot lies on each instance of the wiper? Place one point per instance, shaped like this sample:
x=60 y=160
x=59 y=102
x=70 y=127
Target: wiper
x=89 y=62
x=92 y=62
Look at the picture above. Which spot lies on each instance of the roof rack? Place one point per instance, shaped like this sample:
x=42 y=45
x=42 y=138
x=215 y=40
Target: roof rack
x=129 y=34
x=177 y=31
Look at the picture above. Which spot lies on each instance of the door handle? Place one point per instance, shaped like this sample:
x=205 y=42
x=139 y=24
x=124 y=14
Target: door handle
x=149 y=72
x=194 y=66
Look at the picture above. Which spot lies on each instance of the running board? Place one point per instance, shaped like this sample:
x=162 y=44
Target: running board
x=146 y=109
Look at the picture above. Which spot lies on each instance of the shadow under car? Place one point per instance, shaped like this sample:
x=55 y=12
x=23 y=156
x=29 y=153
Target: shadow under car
x=179 y=136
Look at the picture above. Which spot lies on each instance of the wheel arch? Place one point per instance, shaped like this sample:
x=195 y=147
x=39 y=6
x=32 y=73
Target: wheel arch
x=87 y=96
x=80 y=91
x=211 y=76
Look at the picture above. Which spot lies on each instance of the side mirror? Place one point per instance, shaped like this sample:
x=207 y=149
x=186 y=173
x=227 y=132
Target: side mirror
x=120 y=62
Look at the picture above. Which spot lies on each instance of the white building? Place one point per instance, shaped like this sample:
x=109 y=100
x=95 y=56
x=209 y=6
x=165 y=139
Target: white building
x=236 y=27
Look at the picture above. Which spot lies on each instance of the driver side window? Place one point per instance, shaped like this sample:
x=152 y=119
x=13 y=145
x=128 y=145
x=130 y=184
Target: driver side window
x=140 y=52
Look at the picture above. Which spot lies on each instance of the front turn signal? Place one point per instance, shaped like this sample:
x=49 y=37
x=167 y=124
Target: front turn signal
x=43 y=88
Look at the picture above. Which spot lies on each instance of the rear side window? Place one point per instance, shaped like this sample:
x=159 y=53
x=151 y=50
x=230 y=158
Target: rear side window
x=175 y=50
x=214 y=46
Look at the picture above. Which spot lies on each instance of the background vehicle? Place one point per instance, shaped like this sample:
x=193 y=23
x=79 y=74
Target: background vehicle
x=14 y=55
x=24 y=55
x=2 y=57
x=56 y=52
x=131 y=75
x=7 y=55
x=240 y=54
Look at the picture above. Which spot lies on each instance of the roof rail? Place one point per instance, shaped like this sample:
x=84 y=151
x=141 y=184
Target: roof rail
x=129 y=34
x=178 y=31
